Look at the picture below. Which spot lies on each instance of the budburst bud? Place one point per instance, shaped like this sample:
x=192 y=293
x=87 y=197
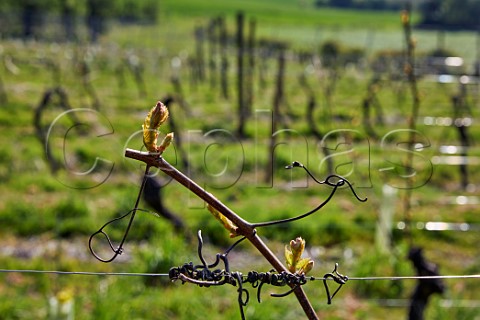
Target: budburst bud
x=405 y=17
x=293 y=257
x=157 y=115
x=308 y=267
x=413 y=42
x=297 y=246
x=227 y=223
x=407 y=69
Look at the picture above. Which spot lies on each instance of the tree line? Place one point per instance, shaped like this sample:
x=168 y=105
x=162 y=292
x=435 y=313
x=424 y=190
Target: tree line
x=434 y=14
x=25 y=18
x=363 y=4
x=450 y=14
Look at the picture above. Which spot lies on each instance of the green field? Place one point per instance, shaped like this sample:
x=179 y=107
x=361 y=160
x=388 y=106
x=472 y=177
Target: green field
x=46 y=218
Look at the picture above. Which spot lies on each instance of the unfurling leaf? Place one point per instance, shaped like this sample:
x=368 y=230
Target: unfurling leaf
x=304 y=266
x=227 y=223
x=166 y=142
x=157 y=115
x=289 y=260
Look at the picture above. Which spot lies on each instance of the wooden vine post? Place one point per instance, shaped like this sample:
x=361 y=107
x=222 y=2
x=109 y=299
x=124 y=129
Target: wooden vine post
x=223 y=42
x=242 y=108
x=409 y=70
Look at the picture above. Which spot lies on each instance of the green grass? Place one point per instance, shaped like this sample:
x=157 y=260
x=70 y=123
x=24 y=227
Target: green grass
x=284 y=12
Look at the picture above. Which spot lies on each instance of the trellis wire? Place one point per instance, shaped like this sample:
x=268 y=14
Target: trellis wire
x=84 y=273
x=139 y=274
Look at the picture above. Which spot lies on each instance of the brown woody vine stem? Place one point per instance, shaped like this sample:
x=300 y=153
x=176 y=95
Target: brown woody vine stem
x=244 y=227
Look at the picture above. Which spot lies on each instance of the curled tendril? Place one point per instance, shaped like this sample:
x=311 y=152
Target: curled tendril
x=338 y=278
x=328 y=181
x=334 y=181
x=204 y=275
x=116 y=251
x=119 y=250
x=242 y=302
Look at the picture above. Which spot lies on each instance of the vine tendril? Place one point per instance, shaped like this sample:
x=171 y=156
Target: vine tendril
x=328 y=181
x=119 y=250
x=338 y=278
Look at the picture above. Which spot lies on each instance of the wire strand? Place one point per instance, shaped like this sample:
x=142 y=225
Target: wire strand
x=397 y=278
x=140 y=274
x=85 y=273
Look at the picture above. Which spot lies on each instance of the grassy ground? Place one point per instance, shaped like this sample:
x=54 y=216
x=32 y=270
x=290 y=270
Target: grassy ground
x=283 y=13
x=46 y=219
